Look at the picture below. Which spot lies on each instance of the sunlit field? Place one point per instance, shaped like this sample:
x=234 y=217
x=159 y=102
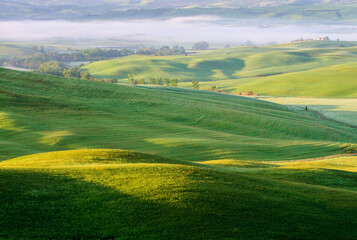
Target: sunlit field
x=110 y=193
x=301 y=69
x=157 y=120
x=343 y=110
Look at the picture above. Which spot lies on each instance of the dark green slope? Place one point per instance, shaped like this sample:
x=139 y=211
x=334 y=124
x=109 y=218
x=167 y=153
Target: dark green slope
x=97 y=193
x=42 y=113
x=113 y=194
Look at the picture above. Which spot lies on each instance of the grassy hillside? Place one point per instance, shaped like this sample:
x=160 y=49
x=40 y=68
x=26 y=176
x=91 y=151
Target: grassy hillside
x=334 y=172
x=337 y=81
x=42 y=113
x=9 y=50
x=221 y=167
x=343 y=110
x=278 y=70
x=116 y=194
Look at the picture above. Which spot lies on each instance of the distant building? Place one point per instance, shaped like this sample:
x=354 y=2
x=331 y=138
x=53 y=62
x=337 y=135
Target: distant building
x=309 y=39
x=323 y=39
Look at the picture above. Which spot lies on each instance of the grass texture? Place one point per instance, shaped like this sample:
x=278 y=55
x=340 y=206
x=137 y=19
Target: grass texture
x=314 y=69
x=42 y=113
x=116 y=194
x=198 y=164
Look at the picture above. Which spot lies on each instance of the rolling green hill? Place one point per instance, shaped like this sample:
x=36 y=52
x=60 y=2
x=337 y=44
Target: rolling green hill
x=277 y=70
x=10 y=50
x=342 y=109
x=42 y=113
x=116 y=194
x=337 y=81
x=206 y=165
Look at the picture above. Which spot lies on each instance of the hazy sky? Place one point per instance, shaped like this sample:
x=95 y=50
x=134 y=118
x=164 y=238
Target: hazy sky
x=177 y=30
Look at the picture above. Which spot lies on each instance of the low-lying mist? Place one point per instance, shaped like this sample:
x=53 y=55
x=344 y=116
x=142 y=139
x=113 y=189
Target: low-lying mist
x=184 y=30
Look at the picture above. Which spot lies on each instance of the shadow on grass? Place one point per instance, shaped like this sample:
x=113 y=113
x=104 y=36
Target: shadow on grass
x=42 y=206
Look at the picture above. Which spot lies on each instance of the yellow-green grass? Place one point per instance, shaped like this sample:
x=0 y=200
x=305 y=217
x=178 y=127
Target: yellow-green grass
x=23 y=49
x=273 y=70
x=41 y=113
x=9 y=50
x=323 y=44
x=343 y=163
x=86 y=157
x=343 y=110
x=335 y=171
x=116 y=194
x=337 y=81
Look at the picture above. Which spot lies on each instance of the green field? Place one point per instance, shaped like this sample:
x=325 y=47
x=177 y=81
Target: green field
x=114 y=194
x=15 y=50
x=335 y=81
x=196 y=164
x=343 y=110
x=298 y=69
x=24 y=49
x=42 y=113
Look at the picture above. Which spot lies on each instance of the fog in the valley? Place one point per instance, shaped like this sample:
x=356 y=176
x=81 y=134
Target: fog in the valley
x=184 y=30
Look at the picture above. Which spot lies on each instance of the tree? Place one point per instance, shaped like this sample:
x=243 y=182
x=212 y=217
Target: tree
x=142 y=81
x=159 y=81
x=35 y=60
x=52 y=67
x=195 y=85
x=166 y=81
x=152 y=81
x=213 y=88
x=94 y=79
x=174 y=82
x=72 y=72
x=85 y=75
x=200 y=46
x=131 y=78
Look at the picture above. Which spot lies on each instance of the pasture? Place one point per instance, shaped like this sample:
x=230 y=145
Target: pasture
x=93 y=160
x=41 y=113
x=116 y=194
x=343 y=110
x=312 y=69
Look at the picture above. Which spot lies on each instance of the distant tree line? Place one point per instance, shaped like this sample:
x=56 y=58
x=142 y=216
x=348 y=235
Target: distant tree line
x=159 y=81
x=163 y=51
x=200 y=46
x=35 y=60
x=30 y=62
x=153 y=81
x=59 y=69
x=94 y=54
